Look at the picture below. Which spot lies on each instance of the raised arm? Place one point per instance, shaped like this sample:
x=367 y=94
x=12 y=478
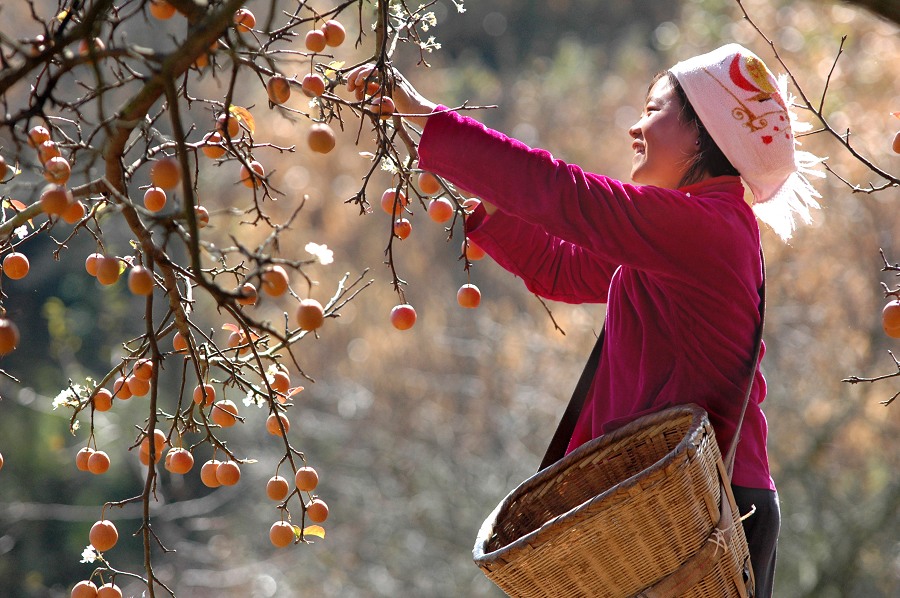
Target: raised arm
x=658 y=230
x=664 y=231
x=549 y=266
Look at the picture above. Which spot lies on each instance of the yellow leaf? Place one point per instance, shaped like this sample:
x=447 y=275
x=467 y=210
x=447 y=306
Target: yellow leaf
x=333 y=66
x=62 y=16
x=314 y=530
x=244 y=115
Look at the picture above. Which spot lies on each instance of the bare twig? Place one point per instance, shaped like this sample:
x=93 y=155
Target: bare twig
x=843 y=139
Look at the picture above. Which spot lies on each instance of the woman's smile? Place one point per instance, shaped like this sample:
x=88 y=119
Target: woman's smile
x=664 y=144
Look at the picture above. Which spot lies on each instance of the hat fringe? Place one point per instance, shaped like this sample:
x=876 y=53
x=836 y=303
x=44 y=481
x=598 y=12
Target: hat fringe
x=795 y=197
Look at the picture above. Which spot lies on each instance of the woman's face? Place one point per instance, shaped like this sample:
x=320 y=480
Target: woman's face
x=663 y=145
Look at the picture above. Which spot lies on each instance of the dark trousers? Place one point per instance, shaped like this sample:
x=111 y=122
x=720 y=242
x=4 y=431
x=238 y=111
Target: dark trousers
x=761 y=530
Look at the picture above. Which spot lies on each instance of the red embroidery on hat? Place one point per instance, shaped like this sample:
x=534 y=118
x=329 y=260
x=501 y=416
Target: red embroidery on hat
x=767 y=139
x=757 y=79
x=738 y=78
x=760 y=79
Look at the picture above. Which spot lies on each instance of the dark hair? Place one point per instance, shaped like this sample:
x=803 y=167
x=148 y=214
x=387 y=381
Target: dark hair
x=709 y=158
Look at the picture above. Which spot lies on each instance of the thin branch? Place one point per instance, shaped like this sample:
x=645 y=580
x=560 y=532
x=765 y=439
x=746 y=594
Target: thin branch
x=892 y=180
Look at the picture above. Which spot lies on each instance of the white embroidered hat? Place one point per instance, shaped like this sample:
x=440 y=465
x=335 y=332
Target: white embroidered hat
x=746 y=111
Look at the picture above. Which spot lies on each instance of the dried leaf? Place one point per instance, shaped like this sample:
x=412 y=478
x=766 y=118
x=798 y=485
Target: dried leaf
x=18 y=206
x=244 y=115
x=14 y=203
x=231 y=327
x=294 y=391
x=314 y=530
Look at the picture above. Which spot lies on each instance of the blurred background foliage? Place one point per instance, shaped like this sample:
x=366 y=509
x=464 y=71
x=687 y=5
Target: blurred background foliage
x=418 y=435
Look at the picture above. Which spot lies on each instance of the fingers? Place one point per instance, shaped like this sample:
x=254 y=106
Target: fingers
x=363 y=80
x=359 y=77
x=366 y=80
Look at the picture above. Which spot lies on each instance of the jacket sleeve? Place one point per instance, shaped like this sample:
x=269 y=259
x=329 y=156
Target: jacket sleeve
x=648 y=228
x=549 y=267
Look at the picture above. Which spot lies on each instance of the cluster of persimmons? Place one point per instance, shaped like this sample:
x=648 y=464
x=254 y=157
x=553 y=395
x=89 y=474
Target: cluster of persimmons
x=252 y=359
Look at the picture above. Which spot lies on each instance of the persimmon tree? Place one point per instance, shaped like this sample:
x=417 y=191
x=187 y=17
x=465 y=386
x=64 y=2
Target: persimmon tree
x=101 y=138
x=890 y=323
x=884 y=179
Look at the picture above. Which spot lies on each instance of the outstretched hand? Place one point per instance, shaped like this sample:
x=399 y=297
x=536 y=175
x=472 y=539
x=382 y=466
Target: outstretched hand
x=412 y=105
x=408 y=102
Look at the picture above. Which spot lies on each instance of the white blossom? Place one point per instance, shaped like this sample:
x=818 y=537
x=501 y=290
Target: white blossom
x=66 y=398
x=321 y=252
x=389 y=166
x=88 y=555
x=253 y=397
x=271 y=371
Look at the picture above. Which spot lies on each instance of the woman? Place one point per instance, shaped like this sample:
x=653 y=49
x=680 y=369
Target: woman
x=676 y=256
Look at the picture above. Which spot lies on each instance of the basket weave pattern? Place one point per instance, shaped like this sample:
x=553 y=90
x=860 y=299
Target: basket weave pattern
x=617 y=515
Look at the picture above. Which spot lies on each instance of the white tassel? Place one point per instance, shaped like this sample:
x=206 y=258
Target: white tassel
x=796 y=196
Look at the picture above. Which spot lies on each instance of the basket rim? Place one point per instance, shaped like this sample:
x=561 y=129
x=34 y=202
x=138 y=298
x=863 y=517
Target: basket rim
x=537 y=537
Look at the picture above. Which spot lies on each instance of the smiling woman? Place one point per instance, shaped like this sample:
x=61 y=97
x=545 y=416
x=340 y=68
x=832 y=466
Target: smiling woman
x=676 y=257
x=705 y=159
x=665 y=144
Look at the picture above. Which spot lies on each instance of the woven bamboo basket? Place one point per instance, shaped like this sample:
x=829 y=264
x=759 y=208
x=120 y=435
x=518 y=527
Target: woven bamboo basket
x=644 y=511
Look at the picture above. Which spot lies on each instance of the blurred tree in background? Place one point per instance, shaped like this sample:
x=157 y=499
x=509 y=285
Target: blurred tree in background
x=422 y=432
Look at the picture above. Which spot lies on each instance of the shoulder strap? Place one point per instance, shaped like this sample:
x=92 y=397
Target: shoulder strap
x=729 y=456
x=560 y=442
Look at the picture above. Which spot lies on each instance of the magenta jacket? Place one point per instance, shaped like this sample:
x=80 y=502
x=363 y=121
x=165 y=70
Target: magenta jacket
x=679 y=271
